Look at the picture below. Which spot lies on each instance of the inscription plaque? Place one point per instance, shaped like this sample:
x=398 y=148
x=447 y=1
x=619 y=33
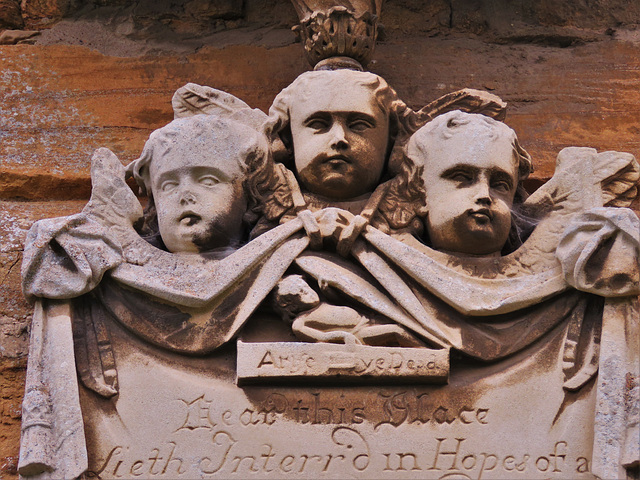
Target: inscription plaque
x=266 y=362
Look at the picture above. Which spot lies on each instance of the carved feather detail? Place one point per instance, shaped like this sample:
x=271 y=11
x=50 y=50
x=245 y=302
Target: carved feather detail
x=468 y=100
x=619 y=174
x=194 y=99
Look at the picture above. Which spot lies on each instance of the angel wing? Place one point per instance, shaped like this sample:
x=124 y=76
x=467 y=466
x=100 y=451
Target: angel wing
x=586 y=179
x=193 y=99
x=112 y=200
x=468 y=100
x=618 y=174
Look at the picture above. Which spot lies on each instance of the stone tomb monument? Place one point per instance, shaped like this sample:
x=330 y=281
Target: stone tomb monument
x=343 y=288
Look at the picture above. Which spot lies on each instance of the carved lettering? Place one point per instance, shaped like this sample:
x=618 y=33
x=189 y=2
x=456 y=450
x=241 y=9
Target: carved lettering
x=171 y=459
x=115 y=470
x=441 y=415
x=454 y=453
x=521 y=467
x=542 y=464
x=469 y=461
x=118 y=465
x=489 y=462
x=286 y=464
x=197 y=415
x=405 y=407
x=481 y=415
x=305 y=457
x=450 y=457
x=267 y=359
x=351 y=438
x=259 y=362
x=115 y=451
x=357 y=415
x=329 y=459
x=239 y=460
x=226 y=418
x=267 y=456
x=557 y=456
x=136 y=468
x=583 y=465
x=508 y=463
x=321 y=413
x=207 y=465
x=315 y=411
x=153 y=460
x=463 y=415
x=401 y=461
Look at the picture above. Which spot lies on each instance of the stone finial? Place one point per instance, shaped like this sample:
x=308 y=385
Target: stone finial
x=338 y=34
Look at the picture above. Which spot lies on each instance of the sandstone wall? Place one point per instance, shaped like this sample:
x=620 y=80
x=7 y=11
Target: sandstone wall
x=102 y=74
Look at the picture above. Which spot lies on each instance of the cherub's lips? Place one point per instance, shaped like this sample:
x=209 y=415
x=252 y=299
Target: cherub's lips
x=189 y=218
x=482 y=214
x=337 y=160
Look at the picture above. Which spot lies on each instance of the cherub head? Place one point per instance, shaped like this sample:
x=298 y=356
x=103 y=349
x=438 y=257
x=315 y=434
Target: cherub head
x=340 y=126
x=473 y=167
x=197 y=172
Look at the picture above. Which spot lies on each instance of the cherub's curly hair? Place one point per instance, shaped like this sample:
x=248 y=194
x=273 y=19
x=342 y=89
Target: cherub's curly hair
x=451 y=123
x=251 y=149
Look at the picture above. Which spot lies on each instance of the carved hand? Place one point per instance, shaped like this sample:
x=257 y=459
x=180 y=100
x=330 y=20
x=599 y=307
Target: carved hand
x=341 y=226
x=333 y=221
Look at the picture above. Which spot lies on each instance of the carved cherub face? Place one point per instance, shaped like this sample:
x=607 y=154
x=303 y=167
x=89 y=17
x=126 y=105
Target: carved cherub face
x=471 y=172
x=195 y=169
x=200 y=203
x=340 y=131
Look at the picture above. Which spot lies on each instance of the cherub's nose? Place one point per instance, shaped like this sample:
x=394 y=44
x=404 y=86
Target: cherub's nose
x=339 y=140
x=482 y=193
x=187 y=198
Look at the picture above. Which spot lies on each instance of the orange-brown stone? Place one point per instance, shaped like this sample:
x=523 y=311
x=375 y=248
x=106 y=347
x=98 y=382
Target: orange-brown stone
x=64 y=102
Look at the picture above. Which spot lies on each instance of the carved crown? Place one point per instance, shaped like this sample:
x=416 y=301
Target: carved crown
x=342 y=33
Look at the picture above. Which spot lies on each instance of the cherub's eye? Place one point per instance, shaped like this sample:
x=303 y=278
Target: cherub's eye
x=208 y=180
x=168 y=185
x=461 y=177
x=318 y=124
x=360 y=126
x=501 y=186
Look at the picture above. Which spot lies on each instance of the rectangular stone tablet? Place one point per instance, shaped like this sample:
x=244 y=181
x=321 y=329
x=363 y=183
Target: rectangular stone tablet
x=304 y=362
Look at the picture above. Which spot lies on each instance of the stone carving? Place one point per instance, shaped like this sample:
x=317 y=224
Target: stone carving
x=343 y=238
x=480 y=178
x=258 y=362
x=338 y=35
